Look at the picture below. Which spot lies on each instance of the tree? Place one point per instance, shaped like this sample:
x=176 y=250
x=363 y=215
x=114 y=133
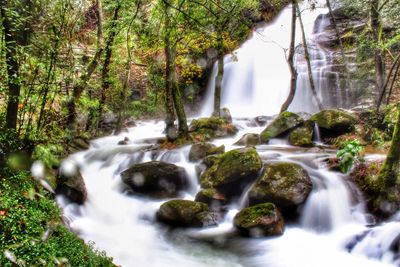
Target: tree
x=290 y=60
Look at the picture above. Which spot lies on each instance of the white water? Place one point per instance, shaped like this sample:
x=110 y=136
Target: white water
x=333 y=228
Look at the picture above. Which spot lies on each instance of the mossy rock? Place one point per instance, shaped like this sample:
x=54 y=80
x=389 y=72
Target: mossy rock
x=249 y=139
x=214 y=199
x=72 y=187
x=303 y=135
x=232 y=170
x=184 y=213
x=280 y=126
x=209 y=128
x=259 y=221
x=285 y=184
x=156 y=179
x=334 y=122
x=199 y=151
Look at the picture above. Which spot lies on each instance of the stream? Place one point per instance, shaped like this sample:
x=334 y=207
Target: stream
x=334 y=228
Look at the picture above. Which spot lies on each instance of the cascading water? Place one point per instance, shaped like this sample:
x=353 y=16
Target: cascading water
x=333 y=228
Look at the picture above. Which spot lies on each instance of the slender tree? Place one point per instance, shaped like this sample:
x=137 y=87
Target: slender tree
x=290 y=60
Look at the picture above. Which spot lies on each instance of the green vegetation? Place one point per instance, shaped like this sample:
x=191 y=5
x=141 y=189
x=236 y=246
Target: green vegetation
x=348 y=154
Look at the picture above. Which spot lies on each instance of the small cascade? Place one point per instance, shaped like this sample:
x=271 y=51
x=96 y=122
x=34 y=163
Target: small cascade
x=317 y=135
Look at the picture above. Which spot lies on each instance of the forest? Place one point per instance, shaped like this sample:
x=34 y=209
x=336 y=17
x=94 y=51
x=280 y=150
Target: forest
x=240 y=133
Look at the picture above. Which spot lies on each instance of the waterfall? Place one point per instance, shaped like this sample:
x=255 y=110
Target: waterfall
x=332 y=231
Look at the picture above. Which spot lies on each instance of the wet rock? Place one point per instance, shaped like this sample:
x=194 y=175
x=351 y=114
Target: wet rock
x=250 y=139
x=124 y=142
x=226 y=115
x=334 y=122
x=199 y=151
x=155 y=178
x=72 y=187
x=262 y=120
x=280 y=126
x=285 y=184
x=209 y=128
x=186 y=213
x=214 y=199
x=302 y=136
x=232 y=171
x=259 y=221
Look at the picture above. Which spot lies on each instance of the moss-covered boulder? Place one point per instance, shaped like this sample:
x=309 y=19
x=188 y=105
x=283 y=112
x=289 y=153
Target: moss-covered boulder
x=334 y=122
x=209 y=128
x=155 y=178
x=185 y=213
x=259 y=221
x=302 y=136
x=72 y=186
x=249 y=139
x=226 y=115
x=214 y=199
x=285 y=184
x=232 y=171
x=280 y=126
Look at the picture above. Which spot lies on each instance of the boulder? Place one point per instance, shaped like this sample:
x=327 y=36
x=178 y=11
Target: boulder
x=226 y=115
x=209 y=128
x=259 y=221
x=302 y=136
x=199 y=151
x=285 y=184
x=155 y=178
x=214 y=199
x=249 y=139
x=186 y=213
x=280 y=126
x=72 y=186
x=334 y=122
x=232 y=171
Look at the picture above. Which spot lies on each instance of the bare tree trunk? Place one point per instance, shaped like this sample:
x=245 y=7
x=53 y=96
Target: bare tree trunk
x=392 y=84
x=14 y=86
x=219 y=78
x=376 y=27
x=290 y=60
x=105 y=75
x=307 y=57
x=170 y=129
x=383 y=91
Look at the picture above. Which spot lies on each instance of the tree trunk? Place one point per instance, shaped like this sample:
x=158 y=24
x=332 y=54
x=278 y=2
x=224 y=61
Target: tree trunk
x=170 y=129
x=105 y=75
x=389 y=175
x=307 y=57
x=383 y=91
x=14 y=86
x=290 y=60
x=392 y=84
x=219 y=78
x=376 y=27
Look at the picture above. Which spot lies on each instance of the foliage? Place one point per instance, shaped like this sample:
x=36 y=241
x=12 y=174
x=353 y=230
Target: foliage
x=349 y=152
x=32 y=232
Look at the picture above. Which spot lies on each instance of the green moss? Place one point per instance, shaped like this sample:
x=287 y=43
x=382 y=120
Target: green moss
x=27 y=212
x=182 y=205
x=301 y=136
x=230 y=166
x=250 y=217
x=285 y=121
x=335 y=120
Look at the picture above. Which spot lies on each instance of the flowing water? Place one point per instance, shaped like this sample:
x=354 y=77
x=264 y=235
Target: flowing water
x=333 y=230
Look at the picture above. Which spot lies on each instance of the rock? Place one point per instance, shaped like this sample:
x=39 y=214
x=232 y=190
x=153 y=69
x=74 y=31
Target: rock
x=226 y=115
x=262 y=120
x=214 y=199
x=334 y=122
x=155 y=178
x=72 y=187
x=302 y=136
x=185 y=213
x=232 y=171
x=280 y=126
x=260 y=220
x=285 y=184
x=250 y=139
x=209 y=128
x=199 y=151
x=124 y=142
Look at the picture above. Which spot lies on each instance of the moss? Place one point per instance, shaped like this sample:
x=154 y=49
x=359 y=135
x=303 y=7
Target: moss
x=205 y=129
x=334 y=120
x=285 y=121
x=182 y=213
x=230 y=166
x=250 y=217
x=302 y=136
